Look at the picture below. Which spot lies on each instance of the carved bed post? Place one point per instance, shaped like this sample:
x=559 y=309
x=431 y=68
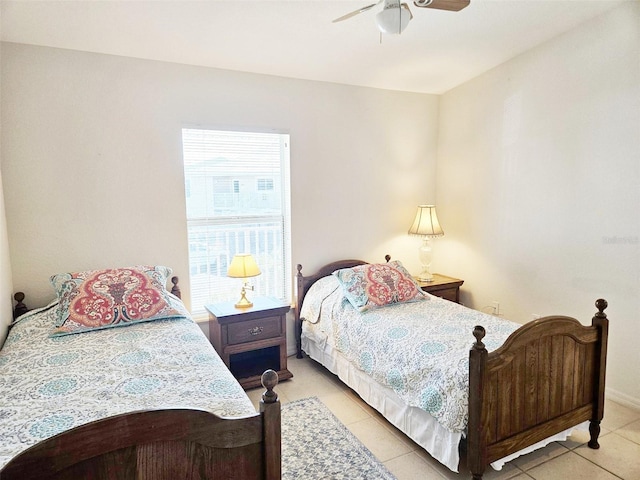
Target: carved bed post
x=271 y=413
x=601 y=322
x=176 y=289
x=298 y=321
x=476 y=442
x=20 y=307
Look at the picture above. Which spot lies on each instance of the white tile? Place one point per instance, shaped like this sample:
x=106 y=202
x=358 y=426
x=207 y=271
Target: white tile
x=306 y=366
x=569 y=466
x=616 y=454
x=364 y=405
x=537 y=457
x=508 y=472
x=631 y=431
x=344 y=407
x=411 y=467
x=616 y=415
x=382 y=443
x=309 y=385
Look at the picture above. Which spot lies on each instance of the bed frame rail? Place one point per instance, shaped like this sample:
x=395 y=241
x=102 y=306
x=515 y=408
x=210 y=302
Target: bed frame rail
x=547 y=377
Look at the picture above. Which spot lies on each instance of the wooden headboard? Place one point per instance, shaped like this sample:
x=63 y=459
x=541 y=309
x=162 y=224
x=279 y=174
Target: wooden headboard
x=303 y=284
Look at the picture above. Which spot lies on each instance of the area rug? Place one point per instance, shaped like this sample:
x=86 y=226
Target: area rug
x=316 y=445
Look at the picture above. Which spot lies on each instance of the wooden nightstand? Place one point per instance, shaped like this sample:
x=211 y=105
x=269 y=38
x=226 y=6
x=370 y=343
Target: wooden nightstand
x=443 y=286
x=251 y=340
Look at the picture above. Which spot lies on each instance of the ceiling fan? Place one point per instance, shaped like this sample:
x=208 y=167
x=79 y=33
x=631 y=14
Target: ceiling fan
x=395 y=15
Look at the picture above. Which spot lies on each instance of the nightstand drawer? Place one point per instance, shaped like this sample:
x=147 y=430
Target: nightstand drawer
x=443 y=287
x=447 y=294
x=253 y=330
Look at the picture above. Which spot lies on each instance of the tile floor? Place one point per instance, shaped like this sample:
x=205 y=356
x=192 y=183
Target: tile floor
x=617 y=458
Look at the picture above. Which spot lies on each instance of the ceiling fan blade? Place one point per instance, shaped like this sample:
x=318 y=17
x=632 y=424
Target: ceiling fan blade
x=451 y=5
x=353 y=14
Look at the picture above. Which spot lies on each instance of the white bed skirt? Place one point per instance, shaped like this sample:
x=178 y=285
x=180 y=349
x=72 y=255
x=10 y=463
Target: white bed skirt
x=414 y=422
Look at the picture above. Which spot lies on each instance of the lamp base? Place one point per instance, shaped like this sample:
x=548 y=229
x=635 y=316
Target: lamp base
x=242 y=304
x=425 y=255
x=244 y=301
x=425 y=277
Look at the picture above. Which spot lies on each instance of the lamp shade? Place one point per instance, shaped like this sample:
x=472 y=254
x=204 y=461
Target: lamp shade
x=426 y=222
x=243 y=265
x=394 y=19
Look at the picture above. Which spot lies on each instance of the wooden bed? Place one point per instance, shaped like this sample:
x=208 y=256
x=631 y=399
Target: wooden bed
x=160 y=444
x=547 y=377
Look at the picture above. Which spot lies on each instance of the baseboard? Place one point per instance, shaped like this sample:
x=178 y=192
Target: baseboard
x=622 y=398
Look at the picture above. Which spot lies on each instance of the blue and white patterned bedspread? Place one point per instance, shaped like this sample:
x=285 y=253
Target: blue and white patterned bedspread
x=48 y=385
x=420 y=349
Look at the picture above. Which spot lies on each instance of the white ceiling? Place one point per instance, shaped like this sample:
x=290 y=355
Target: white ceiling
x=296 y=38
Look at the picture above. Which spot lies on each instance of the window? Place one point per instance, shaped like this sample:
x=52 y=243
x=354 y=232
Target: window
x=238 y=202
x=265 y=184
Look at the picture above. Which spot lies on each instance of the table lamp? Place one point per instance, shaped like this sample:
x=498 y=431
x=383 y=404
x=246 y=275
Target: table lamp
x=243 y=266
x=426 y=225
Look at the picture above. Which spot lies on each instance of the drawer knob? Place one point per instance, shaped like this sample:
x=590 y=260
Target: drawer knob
x=255 y=331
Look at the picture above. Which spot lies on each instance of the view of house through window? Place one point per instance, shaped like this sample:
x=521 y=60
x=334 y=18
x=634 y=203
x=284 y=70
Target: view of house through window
x=237 y=195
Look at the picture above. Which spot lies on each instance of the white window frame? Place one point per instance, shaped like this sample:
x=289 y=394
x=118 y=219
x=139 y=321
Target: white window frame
x=210 y=253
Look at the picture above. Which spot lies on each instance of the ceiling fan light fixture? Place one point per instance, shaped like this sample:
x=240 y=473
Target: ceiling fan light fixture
x=393 y=20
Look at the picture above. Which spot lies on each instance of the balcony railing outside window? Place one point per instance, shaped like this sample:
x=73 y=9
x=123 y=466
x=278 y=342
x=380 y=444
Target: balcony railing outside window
x=211 y=248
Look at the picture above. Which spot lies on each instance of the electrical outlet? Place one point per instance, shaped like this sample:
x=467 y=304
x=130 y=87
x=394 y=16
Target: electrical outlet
x=496 y=308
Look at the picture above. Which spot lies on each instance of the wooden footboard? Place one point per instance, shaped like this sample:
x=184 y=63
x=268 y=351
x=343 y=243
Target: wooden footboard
x=161 y=445
x=547 y=377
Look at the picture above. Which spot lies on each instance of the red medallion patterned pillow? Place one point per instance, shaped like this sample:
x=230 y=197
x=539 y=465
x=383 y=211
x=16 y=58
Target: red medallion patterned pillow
x=98 y=299
x=378 y=284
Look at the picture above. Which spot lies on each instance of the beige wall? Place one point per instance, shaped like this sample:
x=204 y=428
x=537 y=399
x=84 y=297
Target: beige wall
x=538 y=177
x=92 y=161
x=6 y=286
